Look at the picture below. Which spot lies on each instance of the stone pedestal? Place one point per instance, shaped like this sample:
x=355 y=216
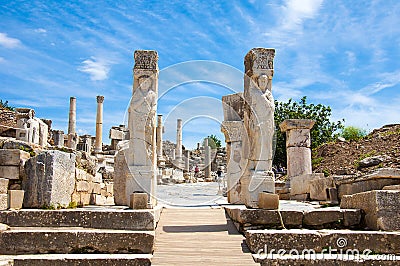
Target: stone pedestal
x=138 y=201
x=99 y=125
x=259 y=124
x=15 y=199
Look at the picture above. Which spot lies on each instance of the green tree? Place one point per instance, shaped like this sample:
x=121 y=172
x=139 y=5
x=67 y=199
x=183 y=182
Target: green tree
x=213 y=141
x=6 y=106
x=353 y=133
x=324 y=129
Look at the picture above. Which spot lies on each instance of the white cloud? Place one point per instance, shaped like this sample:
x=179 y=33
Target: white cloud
x=297 y=11
x=97 y=68
x=8 y=42
x=40 y=30
x=2 y=60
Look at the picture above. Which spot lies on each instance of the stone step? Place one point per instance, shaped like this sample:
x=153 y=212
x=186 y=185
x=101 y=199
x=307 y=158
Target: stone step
x=312 y=218
x=335 y=241
x=41 y=240
x=73 y=259
x=125 y=219
x=326 y=260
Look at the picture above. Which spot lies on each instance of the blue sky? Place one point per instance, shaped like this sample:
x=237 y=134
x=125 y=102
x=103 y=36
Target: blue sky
x=341 y=53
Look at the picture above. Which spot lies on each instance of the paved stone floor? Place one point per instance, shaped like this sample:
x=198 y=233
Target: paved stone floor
x=190 y=194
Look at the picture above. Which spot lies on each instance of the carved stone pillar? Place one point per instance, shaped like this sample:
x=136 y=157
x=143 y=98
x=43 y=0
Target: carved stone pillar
x=232 y=127
x=259 y=124
x=142 y=155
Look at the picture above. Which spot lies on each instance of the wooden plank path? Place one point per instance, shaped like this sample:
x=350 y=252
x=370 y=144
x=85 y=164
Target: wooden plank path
x=199 y=236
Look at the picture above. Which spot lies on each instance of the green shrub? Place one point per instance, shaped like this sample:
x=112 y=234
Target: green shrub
x=353 y=133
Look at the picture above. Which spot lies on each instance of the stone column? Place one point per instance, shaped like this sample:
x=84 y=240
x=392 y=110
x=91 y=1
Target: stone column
x=142 y=156
x=178 y=150
x=207 y=159
x=159 y=140
x=298 y=150
x=187 y=161
x=232 y=127
x=58 y=138
x=298 y=146
x=99 y=125
x=259 y=124
x=72 y=136
x=72 y=116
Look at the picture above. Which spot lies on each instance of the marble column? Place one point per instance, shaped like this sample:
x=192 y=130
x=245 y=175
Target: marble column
x=159 y=140
x=187 y=161
x=99 y=125
x=178 y=150
x=259 y=124
x=72 y=136
x=207 y=159
x=298 y=146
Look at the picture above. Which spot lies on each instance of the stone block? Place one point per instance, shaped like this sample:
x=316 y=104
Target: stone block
x=96 y=199
x=82 y=186
x=13 y=157
x=81 y=175
x=268 y=201
x=3 y=185
x=15 y=199
x=351 y=217
x=322 y=217
x=332 y=194
x=96 y=188
x=139 y=200
x=110 y=201
x=298 y=161
x=392 y=187
x=121 y=175
x=110 y=188
x=318 y=188
x=298 y=138
x=381 y=208
x=301 y=184
x=3 y=201
x=9 y=172
x=103 y=192
x=299 y=197
x=50 y=179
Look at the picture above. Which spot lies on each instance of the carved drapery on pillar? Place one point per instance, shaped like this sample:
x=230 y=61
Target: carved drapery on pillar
x=259 y=123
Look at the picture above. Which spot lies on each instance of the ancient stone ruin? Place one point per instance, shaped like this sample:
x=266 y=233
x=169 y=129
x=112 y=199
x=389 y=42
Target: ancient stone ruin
x=67 y=194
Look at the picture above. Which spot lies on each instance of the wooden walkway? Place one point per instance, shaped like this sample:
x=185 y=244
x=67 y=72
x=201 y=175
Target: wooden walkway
x=199 y=236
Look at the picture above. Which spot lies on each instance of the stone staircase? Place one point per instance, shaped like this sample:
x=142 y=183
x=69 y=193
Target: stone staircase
x=301 y=234
x=85 y=236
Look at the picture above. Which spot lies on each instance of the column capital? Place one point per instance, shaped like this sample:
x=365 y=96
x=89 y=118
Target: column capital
x=233 y=130
x=100 y=99
x=290 y=124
